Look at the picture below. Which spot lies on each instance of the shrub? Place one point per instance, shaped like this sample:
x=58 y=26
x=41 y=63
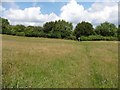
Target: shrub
x=71 y=37
x=98 y=38
x=83 y=29
x=20 y=33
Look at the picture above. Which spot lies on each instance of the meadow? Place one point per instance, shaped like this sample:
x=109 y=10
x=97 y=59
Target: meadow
x=55 y=63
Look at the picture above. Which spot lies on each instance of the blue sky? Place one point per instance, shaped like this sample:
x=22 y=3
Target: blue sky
x=46 y=7
x=37 y=13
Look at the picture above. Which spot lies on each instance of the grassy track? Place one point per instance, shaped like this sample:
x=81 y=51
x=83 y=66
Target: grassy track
x=55 y=63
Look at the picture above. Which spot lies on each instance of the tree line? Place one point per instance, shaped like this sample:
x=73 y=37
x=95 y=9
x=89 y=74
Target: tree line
x=64 y=30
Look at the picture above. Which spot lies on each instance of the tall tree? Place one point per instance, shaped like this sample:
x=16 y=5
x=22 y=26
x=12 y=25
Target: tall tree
x=48 y=26
x=118 y=32
x=83 y=29
x=64 y=28
x=5 y=26
x=18 y=30
x=106 y=29
x=58 y=29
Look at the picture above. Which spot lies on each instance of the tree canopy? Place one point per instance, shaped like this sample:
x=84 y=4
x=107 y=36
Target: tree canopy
x=64 y=30
x=58 y=29
x=83 y=29
x=106 y=29
x=5 y=26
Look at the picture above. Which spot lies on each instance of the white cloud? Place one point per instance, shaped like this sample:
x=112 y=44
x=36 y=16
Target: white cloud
x=12 y=4
x=28 y=16
x=107 y=0
x=97 y=13
x=72 y=11
x=100 y=12
x=2 y=9
x=60 y=0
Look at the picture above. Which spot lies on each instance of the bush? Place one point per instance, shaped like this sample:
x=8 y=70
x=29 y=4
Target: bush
x=71 y=37
x=83 y=29
x=106 y=29
x=111 y=38
x=55 y=35
x=20 y=33
x=42 y=34
x=98 y=38
x=119 y=37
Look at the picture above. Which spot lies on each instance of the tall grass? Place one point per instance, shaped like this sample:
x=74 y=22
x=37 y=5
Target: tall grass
x=56 y=63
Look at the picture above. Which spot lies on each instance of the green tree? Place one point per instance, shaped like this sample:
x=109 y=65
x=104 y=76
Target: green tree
x=34 y=31
x=5 y=26
x=19 y=30
x=29 y=31
x=118 y=32
x=37 y=31
x=106 y=29
x=57 y=29
x=83 y=29
x=0 y=25
x=48 y=26
x=64 y=28
x=13 y=29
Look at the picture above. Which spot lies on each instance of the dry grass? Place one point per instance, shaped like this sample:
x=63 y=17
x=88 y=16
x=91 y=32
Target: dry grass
x=56 y=63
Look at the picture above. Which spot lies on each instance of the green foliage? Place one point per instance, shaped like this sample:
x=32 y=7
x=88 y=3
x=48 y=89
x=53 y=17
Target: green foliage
x=48 y=26
x=52 y=63
x=62 y=29
x=55 y=34
x=34 y=31
x=83 y=29
x=97 y=38
x=0 y=25
x=57 y=29
x=106 y=29
x=20 y=28
x=13 y=30
x=28 y=31
x=71 y=37
x=5 y=26
x=20 y=33
x=118 y=32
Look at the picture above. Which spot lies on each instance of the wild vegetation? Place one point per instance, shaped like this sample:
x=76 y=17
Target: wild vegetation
x=56 y=63
x=64 y=30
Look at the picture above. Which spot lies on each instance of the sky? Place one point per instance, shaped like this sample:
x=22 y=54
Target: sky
x=37 y=12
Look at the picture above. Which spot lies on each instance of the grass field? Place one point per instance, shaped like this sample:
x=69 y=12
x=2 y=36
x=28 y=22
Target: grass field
x=56 y=63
